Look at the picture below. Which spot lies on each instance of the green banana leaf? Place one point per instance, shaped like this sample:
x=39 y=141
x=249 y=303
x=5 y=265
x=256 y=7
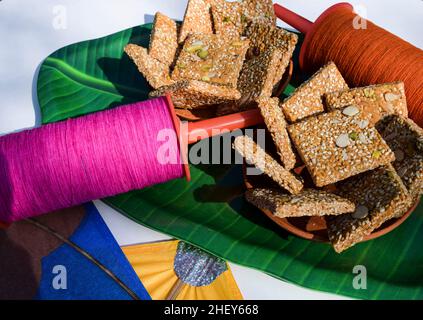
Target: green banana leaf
x=210 y=211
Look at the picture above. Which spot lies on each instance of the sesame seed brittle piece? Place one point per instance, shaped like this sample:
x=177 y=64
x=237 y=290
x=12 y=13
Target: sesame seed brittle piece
x=191 y=94
x=264 y=37
x=211 y=58
x=259 y=11
x=197 y=19
x=379 y=196
x=155 y=72
x=163 y=40
x=307 y=98
x=255 y=81
x=309 y=202
x=255 y=155
x=231 y=19
x=403 y=137
x=337 y=145
x=377 y=100
x=277 y=126
x=228 y=18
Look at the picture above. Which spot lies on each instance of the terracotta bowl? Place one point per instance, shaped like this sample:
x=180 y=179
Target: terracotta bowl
x=201 y=114
x=314 y=228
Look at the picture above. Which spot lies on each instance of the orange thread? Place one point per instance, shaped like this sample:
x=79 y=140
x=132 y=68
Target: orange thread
x=367 y=56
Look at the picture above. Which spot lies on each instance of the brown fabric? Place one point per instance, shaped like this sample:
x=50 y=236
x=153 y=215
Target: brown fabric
x=22 y=246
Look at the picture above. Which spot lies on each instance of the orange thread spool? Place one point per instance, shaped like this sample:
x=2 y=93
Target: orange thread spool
x=364 y=56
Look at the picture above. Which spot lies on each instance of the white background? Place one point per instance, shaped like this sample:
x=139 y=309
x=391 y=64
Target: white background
x=27 y=36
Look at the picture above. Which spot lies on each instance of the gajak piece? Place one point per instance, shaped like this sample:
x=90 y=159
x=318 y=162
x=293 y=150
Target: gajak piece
x=307 y=98
x=337 y=145
x=259 y=11
x=191 y=94
x=256 y=80
x=310 y=202
x=255 y=155
x=232 y=18
x=164 y=39
x=378 y=100
x=379 y=196
x=258 y=74
x=277 y=126
x=403 y=137
x=155 y=72
x=228 y=18
x=211 y=59
x=197 y=19
x=264 y=37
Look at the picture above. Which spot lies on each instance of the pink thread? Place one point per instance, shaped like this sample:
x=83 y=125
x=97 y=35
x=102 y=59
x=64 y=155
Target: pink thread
x=68 y=163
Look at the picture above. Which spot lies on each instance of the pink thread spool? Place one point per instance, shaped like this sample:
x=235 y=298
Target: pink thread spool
x=65 y=164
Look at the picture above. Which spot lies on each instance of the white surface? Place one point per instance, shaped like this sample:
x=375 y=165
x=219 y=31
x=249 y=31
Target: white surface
x=28 y=36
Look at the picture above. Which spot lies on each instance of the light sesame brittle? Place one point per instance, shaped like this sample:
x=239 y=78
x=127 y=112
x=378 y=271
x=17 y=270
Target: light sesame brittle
x=377 y=100
x=197 y=19
x=211 y=58
x=258 y=74
x=191 y=94
x=403 y=137
x=155 y=72
x=277 y=126
x=337 y=145
x=309 y=202
x=259 y=11
x=307 y=98
x=231 y=19
x=379 y=196
x=255 y=155
x=163 y=40
x=228 y=18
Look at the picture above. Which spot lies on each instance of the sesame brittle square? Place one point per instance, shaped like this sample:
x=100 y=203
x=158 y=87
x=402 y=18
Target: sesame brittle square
x=231 y=19
x=277 y=126
x=255 y=81
x=163 y=41
x=197 y=19
x=403 y=137
x=379 y=196
x=266 y=36
x=377 y=100
x=191 y=94
x=259 y=11
x=258 y=74
x=310 y=202
x=255 y=155
x=337 y=145
x=155 y=72
x=307 y=99
x=211 y=58
x=228 y=18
